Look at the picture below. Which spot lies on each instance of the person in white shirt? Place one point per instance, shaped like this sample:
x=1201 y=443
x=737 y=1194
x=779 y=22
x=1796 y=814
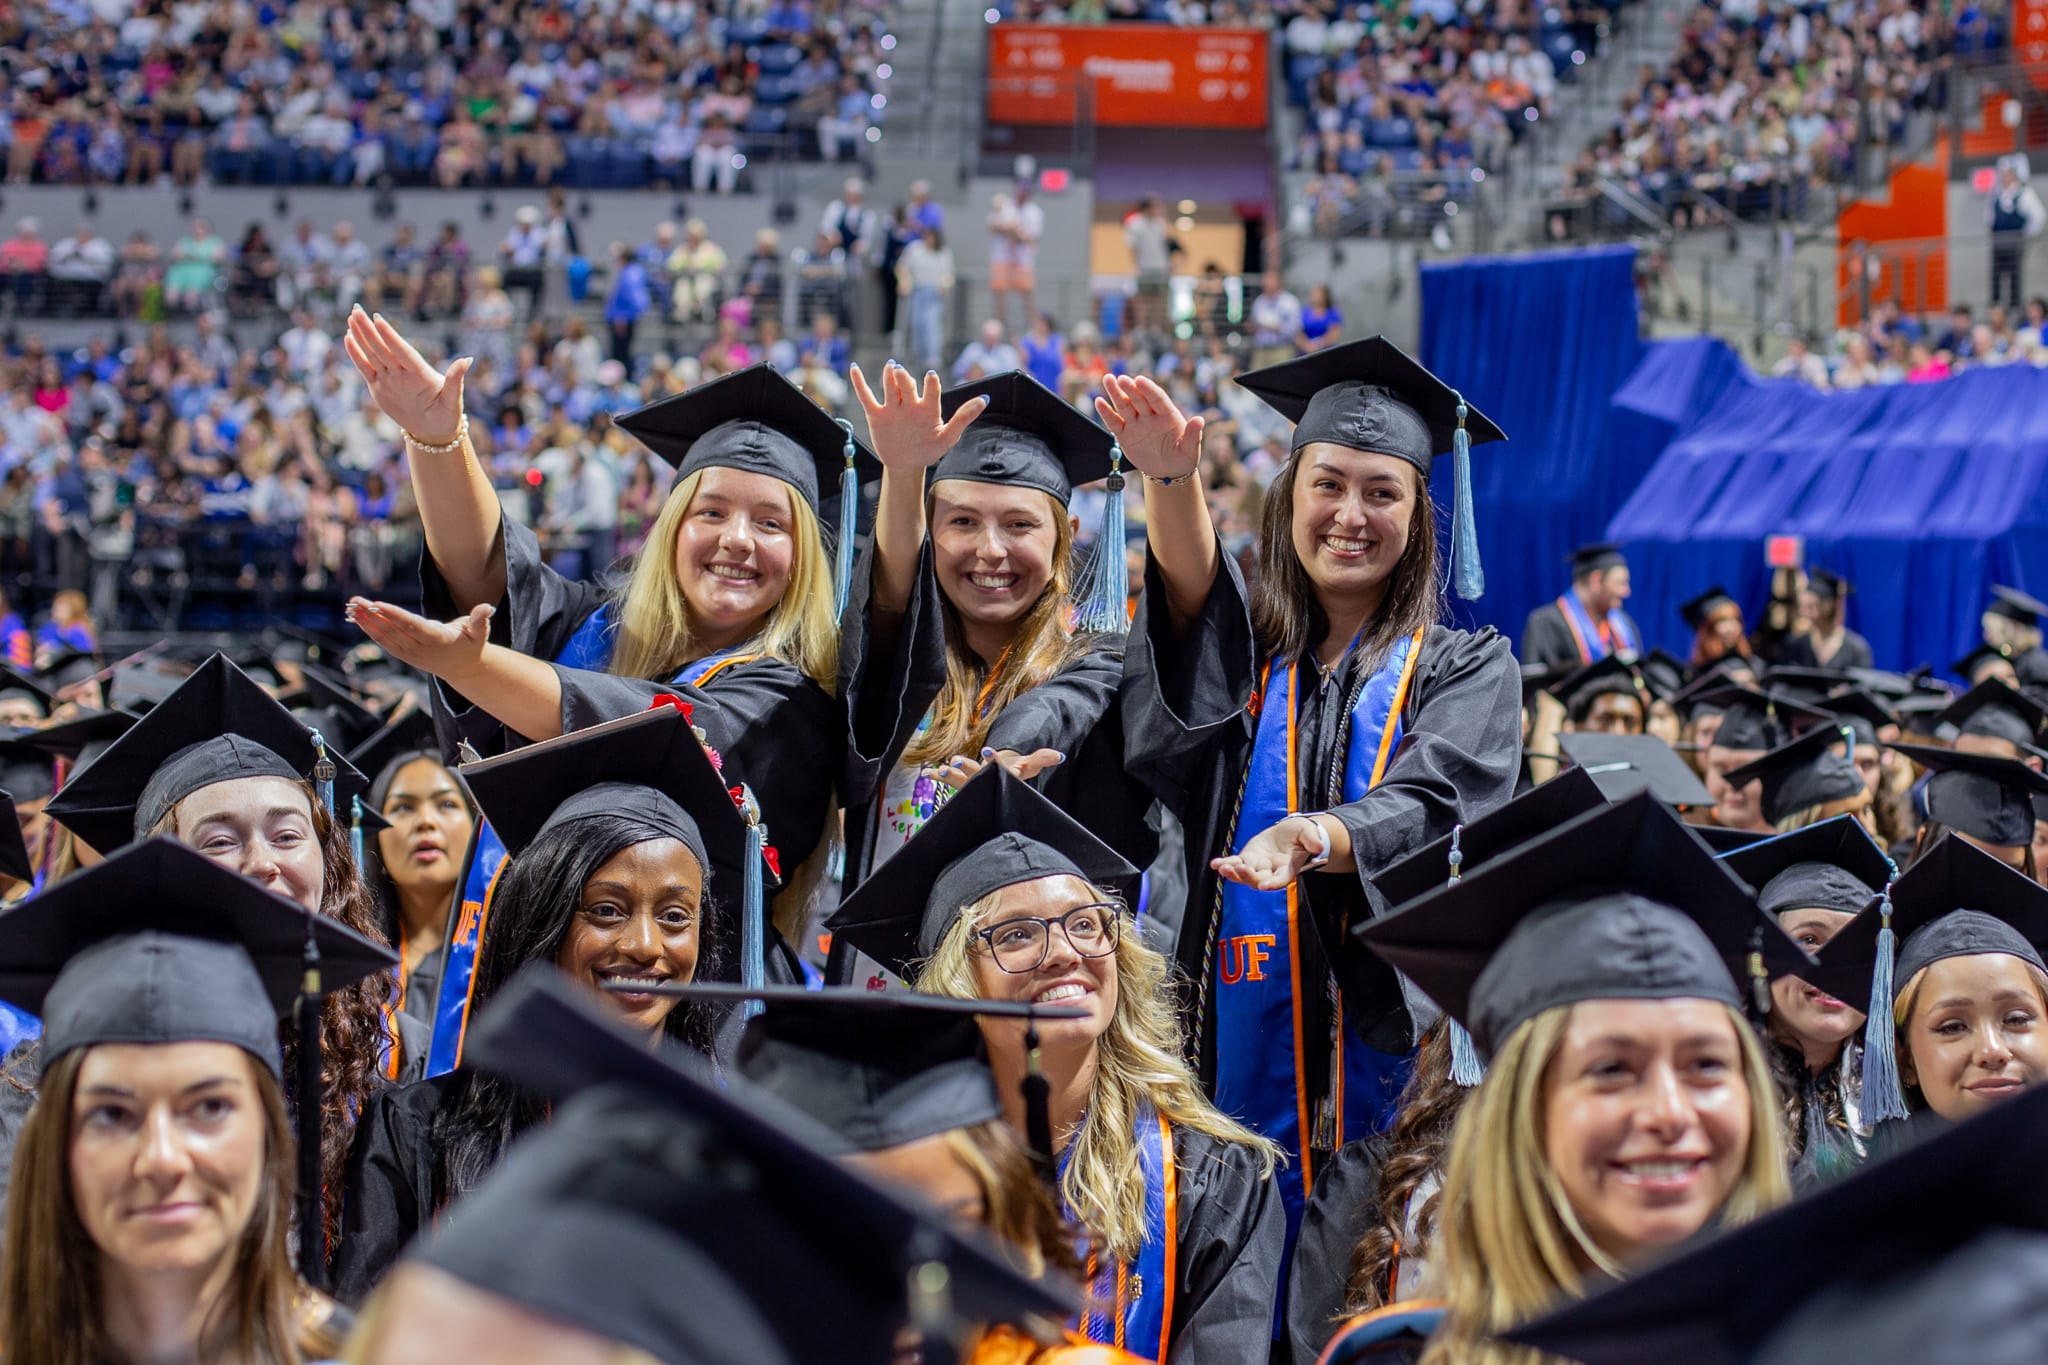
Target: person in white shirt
x=305 y=345
x=990 y=353
x=1015 y=223
x=81 y=265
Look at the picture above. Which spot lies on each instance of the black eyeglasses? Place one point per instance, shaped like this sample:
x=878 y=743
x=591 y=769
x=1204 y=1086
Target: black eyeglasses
x=1020 y=945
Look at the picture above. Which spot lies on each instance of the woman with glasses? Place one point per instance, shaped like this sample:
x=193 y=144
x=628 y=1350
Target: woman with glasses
x=1182 y=1263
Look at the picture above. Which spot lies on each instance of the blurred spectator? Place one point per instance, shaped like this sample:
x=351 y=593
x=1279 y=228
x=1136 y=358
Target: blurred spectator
x=761 y=283
x=139 y=278
x=253 y=282
x=24 y=258
x=925 y=278
x=1044 y=351
x=70 y=627
x=1150 y=238
x=195 y=268
x=1801 y=363
x=1322 y=323
x=1276 y=320
x=990 y=353
x=629 y=300
x=777 y=349
x=2015 y=217
x=81 y=267
x=924 y=211
x=824 y=348
x=1015 y=223
x=696 y=266
x=843 y=129
x=395 y=282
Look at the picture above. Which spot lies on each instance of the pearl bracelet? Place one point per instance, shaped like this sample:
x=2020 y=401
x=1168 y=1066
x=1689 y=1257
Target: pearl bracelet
x=448 y=447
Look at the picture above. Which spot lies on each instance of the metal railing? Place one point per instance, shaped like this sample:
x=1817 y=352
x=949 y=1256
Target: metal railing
x=1925 y=277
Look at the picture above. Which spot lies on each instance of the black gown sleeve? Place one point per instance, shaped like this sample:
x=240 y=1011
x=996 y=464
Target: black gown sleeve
x=1546 y=639
x=1182 y=693
x=1232 y=1237
x=1061 y=712
x=539 y=612
x=390 y=1193
x=888 y=677
x=1341 y=1209
x=774 y=729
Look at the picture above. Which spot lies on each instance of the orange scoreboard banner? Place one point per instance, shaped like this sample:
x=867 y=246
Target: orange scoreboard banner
x=1141 y=75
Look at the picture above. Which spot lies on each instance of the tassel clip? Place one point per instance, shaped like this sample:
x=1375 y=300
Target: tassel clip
x=323 y=773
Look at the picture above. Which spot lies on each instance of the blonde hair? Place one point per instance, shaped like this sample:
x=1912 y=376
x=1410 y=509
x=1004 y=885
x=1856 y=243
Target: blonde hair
x=1508 y=1244
x=654 y=620
x=1138 y=1061
x=1902 y=1014
x=369 y=1333
x=1040 y=646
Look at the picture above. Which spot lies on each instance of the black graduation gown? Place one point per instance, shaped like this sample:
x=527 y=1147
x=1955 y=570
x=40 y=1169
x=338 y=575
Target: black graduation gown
x=1188 y=733
x=393 y=1189
x=1547 y=638
x=1341 y=1209
x=1854 y=653
x=1231 y=1233
x=776 y=730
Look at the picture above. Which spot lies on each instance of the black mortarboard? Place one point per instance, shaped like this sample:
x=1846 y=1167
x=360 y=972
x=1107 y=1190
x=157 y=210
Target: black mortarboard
x=1870 y=1252
x=1801 y=775
x=656 y=1207
x=332 y=689
x=67 y=667
x=1917 y=713
x=1623 y=765
x=1825 y=583
x=1722 y=840
x=1698 y=695
x=1541 y=678
x=1694 y=611
x=1751 y=719
x=1535 y=812
x=878 y=1069
x=1594 y=558
x=995 y=832
x=2015 y=605
x=755 y=420
x=26 y=771
x=14 y=859
x=1834 y=865
x=216 y=727
x=1611 y=675
x=1368 y=395
x=1986 y=798
x=88 y=730
x=334 y=709
x=1881 y=682
x=1621 y=903
x=409 y=731
x=650 y=766
x=1972 y=665
x=1029 y=437
x=140 y=684
x=1664 y=674
x=1993 y=709
x=1811 y=685
x=1862 y=712
x=17 y=684
x=159 y=944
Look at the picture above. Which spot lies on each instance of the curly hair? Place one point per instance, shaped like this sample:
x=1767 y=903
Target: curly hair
x=1416 y=1146
x=358 y=1045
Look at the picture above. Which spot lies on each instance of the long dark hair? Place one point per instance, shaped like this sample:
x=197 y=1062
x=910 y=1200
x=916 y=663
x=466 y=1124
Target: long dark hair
x=530 y=916
x=50 y=1307
x=376 y=876
x=1416 y=1146
x=1286 y=616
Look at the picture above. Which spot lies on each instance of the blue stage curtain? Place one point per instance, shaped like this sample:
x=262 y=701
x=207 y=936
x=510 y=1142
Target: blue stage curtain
x=1539 y=343
x=1921 y=495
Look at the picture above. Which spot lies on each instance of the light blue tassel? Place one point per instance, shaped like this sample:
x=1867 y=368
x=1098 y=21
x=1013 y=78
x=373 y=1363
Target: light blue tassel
x=323 y=773
x=753 y=913
x=849 y=519
x=1466 y=1068
x=1468 y=578
x=1104 y=607
x=1884 y=1097
x=355 y=831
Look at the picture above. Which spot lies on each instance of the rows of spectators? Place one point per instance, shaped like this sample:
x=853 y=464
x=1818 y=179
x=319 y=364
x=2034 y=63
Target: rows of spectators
x=445 y=92
x=1764 y=100
x=1894 y=347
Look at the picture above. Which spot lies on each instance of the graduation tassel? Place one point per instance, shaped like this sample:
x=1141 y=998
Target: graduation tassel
x=1466 y=1068
x=849 y=519
x=1038 y=1106
x=323 y=773
x=928 y=1291
x=753 y=914
x=355 y=832
x=1759 y=975
x=1105 y=606
x=1468 y=578
x=1884 y=1097
x=312 y=1209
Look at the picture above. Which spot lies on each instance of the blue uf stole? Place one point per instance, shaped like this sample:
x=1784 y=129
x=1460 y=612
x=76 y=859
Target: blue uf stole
x=1130 y=1304
x=1257 y=990
x=17 y=1027
x=591 y=646
x=1586 y=635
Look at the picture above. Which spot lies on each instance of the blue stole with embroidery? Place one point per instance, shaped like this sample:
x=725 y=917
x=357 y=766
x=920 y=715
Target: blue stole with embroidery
x=1257 y=992
x=1131 y=1304
x=1585 y=634
x=17 y=1027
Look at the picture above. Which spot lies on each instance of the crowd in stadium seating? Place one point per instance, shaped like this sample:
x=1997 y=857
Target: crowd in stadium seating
x=434 y=92
x=1893 y=347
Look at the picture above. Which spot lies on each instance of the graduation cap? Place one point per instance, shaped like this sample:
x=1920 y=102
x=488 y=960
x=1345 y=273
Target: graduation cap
x=1664 y=674
x=1695 y=611
x=1697 y=695
x=1986 y=798
x=1754 y=719
x=1803 y=774
x=1828 y=584
x=1973 y=666
x=995 y=832
x=1543 y=807
x=14 y=859
x=409 y=731
x=2016 y=606
x=67 y=668
x=1369 y=395
x=1862 y=712
x=1997 y=711
x=1881 y=682
x=1621 y=903
x=143 y=683
x=1806 y=684
x=160 y=944
x=1834 y=865
x=1030 y=437
x=1721 y=840
x=1888 y=1266
x=84 y=736
x=878 y=1069
x=1541 y=678
x=702 y=1225
x=26 y=771
x=1611 y=676
x=1623 y=765
x=653 y=768
x=1597 y=557
x=16 y=686
x=217 y=726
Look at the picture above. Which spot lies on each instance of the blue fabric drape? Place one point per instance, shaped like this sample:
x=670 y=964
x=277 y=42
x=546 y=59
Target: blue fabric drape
x=1540 y=343
x=1921 y=495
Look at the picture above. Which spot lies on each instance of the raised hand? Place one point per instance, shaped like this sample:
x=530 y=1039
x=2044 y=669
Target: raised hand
x=421 y=399
x=1023 y=767
x=446 y=649
x=1156 y=438
x=1273 y=857
x=904 y=425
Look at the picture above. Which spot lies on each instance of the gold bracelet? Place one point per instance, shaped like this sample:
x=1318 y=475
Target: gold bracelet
x=448 y=447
